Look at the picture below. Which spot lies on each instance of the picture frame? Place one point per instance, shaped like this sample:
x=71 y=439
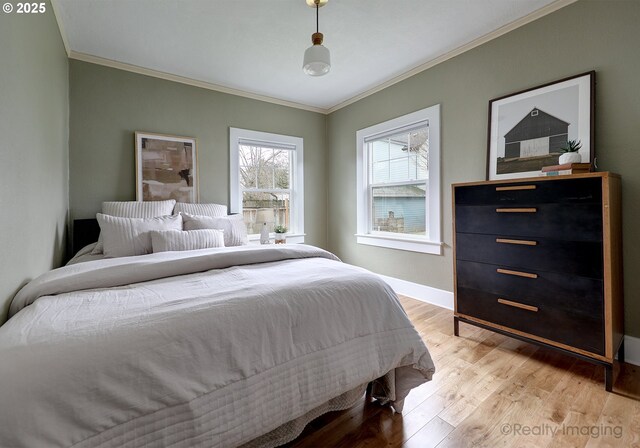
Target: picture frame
x=528 y=128
x=166 y=167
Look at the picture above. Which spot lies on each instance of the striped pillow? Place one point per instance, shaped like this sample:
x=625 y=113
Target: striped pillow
x=235 y=230
x=173 y=240
x=201 y=209
x=134 y=209
x=124 y=237
x=138 y=209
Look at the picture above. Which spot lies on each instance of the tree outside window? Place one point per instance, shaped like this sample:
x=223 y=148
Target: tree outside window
x=265 y=180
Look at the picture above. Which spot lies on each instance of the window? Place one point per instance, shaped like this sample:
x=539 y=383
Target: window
x=267 y=181
x=398 y=197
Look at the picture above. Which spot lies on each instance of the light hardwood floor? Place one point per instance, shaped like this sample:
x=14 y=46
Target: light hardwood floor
x=491 y=391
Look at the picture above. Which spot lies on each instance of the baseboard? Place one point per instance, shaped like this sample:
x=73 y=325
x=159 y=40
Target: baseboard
x=434 y=296
x=444 y=299
x=632 y=350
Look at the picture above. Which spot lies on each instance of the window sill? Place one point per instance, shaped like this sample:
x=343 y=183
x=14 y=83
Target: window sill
x=393 y=242
x=292 y=238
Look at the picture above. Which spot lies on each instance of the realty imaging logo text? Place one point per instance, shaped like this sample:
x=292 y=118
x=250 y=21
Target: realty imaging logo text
x=593 y=431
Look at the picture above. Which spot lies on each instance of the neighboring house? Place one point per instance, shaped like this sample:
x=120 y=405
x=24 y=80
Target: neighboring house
x=537 y=134
x=399 y=209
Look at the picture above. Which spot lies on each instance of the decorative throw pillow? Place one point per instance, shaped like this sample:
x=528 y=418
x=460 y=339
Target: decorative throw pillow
x=134 y=209
x=214 y=210
x=235 y=231
x=173 y=240
x=124 y=237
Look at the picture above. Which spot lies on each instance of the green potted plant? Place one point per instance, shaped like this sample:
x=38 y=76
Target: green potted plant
x=570 y=152
x=280 y=234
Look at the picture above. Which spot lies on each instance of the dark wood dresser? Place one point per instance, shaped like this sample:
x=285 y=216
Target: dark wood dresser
x=540 y=259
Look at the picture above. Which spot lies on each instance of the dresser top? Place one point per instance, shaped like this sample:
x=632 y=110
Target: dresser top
x=603 y=174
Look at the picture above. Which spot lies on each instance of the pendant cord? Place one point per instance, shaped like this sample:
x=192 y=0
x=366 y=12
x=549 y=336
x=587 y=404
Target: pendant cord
x=317 y=17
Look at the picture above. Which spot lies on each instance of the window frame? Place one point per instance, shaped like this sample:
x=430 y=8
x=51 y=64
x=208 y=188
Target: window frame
x=431 y=242
x=239 y=136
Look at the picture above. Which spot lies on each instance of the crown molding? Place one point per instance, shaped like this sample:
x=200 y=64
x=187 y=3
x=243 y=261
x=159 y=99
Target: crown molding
x=189 y=81
x=545 y=10
x=58 y=17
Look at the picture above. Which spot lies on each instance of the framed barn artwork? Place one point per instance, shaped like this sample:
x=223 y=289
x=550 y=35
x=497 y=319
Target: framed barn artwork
x=166 y=168
x=529 y=129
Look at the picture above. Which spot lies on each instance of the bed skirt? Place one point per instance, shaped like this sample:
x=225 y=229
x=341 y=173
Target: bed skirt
x=290 y=430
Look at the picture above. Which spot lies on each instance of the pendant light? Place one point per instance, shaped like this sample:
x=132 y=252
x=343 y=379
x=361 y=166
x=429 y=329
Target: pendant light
x=317 y=61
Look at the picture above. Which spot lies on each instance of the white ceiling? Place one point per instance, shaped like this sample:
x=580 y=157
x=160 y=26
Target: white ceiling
x=256 y=46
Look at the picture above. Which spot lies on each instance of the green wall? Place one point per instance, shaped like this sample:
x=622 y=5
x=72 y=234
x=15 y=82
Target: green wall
x=108 y=105
x=588 y=35
x=34 y=150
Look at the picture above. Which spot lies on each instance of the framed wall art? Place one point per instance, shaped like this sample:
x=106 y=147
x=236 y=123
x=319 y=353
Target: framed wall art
x=529 y=129
x=166 y=168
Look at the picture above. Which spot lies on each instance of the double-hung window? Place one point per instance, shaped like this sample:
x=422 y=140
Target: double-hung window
x=398 y=197
x=266 y=180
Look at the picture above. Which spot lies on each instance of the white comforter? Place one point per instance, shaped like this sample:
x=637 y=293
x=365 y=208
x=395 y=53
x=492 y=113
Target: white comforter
x=206 y=348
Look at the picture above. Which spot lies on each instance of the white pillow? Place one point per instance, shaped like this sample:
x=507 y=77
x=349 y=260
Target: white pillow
x=130 y=236
x=235 y=230
x=134 y=209
x=214 y=210
x=139 y=209
x=171 y=240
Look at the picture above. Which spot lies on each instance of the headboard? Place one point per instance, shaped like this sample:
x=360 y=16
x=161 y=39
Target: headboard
x=85 y=231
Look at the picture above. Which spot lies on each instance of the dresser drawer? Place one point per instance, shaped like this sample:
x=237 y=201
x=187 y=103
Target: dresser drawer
x=563 y=191
x=579 y=296
x=539 y=254
x=577 y=221
x=556 y=324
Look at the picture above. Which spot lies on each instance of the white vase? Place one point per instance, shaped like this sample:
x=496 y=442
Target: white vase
x=570 y=157
x=264 y=234
x=281 y=238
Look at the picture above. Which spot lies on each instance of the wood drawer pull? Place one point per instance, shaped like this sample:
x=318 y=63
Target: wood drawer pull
x=516 y=273
x=521 y=242
x=517 y=210
x=516 y=187
x=518 y=305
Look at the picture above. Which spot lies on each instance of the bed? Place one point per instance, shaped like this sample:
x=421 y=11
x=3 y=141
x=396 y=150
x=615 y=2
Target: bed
x=223 y=347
